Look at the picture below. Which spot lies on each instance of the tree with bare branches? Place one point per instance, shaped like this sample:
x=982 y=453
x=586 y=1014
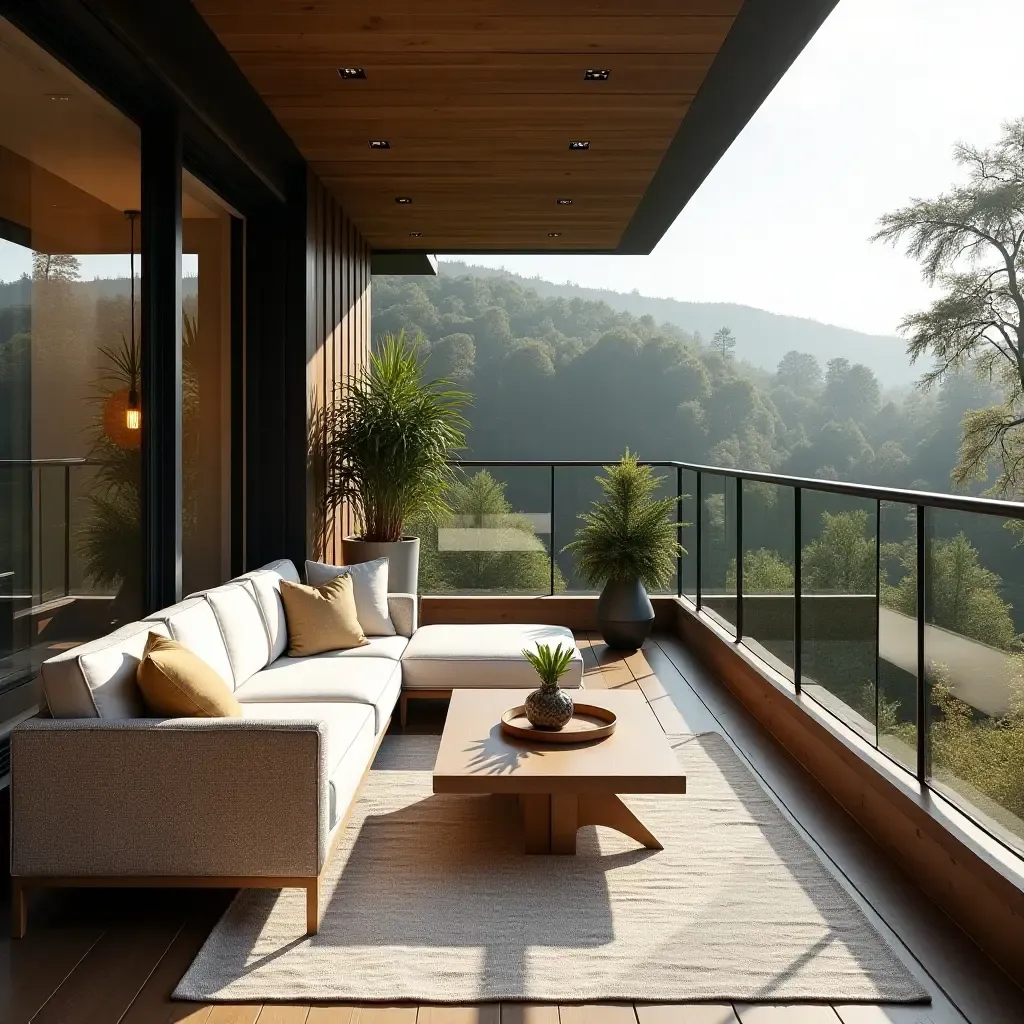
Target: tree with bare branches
x=970 y=243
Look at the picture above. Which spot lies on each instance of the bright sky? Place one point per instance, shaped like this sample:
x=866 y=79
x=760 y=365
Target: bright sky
x=865 y=119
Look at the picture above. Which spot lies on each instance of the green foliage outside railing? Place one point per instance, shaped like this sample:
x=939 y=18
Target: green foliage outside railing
x=978 y=756
x=764 y=572
x=963 y=595
x=985 y=753
x=515 y=562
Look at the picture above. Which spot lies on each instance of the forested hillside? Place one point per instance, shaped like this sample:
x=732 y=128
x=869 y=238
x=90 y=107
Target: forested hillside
x=761 y=337
x=557 y=378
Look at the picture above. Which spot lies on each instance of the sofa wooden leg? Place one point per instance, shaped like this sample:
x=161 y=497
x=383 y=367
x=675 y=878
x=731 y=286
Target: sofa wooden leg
x=403 y=709
x=19 y=910
x=313 y=907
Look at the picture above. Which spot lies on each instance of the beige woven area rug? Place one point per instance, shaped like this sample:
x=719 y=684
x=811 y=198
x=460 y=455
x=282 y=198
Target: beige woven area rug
x=431 y=899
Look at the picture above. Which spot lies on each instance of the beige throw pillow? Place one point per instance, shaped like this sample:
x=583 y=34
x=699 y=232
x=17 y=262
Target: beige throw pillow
x=177 y=683
x=321 y=618
x=369 y=588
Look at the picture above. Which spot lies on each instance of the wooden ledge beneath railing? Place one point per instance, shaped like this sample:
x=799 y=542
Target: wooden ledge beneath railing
x=576 y=611
x=974 y=879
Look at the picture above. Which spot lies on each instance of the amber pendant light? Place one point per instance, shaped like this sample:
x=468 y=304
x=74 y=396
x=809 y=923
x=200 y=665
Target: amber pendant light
x=122 y=414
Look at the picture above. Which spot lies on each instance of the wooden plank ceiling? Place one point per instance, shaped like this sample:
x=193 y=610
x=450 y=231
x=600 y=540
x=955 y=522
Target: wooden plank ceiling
x=479 y=100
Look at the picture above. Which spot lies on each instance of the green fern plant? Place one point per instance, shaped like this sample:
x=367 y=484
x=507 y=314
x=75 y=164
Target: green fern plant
x=630 y=534
x=549 y=664
x=390 y=434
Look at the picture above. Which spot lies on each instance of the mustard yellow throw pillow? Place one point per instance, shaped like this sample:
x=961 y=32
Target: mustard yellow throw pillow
x=321 y=618
x=178 y=684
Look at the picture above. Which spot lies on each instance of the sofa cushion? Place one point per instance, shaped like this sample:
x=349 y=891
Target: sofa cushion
x=370 y=587
x=267 y=584
x=97 y=679
x=176 y=683
x=450 y=657
x=328 y=677
x=192 y=622
x=321 y=618
x=390 y=647
x=347 y=775
x=350 y=742
x=242 y=627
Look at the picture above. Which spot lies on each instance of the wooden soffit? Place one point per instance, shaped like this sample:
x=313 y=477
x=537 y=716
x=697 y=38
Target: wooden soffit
x=479 y=100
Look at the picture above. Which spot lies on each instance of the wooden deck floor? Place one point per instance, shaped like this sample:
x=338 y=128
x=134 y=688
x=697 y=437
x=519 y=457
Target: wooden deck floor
x=114 y=957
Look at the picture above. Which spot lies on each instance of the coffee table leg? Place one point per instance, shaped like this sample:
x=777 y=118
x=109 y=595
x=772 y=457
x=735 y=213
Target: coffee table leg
x=564 y=822
x=550 y=822
x=536 y=821
x=608 y=809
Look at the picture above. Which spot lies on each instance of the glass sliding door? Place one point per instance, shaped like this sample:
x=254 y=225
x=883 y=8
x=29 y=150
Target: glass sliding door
x=70 y=403
x=206 y=387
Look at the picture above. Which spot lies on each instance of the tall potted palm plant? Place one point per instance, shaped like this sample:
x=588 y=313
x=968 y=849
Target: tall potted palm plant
x=390 y=433
x=627 y=543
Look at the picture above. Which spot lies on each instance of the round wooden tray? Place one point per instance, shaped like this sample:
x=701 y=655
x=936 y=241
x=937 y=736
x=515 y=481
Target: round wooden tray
x=588 y=723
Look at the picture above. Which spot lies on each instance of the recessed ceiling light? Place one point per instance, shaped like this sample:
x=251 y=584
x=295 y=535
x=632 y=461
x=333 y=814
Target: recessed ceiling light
x=348 y=73
x=564 y=202
x=596 y=74
x=579 y=144
x=379 y=144
x=403 y=200
x=415 y=234
x=554 y=234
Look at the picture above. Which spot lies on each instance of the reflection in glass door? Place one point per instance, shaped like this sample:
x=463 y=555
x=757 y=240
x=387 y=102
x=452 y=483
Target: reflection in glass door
x=206 y=387
x=70 y=406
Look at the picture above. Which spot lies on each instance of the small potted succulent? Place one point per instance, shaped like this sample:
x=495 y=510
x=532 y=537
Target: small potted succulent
x=549 y=707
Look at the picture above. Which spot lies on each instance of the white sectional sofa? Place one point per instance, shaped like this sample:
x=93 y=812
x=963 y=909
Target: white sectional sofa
x=102 y=795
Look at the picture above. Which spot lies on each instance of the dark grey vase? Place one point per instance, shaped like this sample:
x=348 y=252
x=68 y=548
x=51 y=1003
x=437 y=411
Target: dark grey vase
x=549 y=707
x=625 y=615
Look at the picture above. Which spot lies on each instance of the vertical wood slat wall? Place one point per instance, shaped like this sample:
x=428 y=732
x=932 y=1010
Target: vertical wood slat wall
x=337 y=345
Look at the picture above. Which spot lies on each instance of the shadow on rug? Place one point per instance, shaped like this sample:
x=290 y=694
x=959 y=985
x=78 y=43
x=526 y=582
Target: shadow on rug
x=431 y=899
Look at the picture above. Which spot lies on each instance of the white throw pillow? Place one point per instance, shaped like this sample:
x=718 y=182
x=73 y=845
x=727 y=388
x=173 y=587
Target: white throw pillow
x=369 y=587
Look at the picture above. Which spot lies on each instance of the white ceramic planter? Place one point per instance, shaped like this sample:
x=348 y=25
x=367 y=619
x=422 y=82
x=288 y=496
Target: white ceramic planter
x=403 y=560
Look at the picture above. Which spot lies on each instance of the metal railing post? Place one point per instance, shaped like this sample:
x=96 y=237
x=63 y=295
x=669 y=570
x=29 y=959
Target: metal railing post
x=699 y=520
x=923 y=766
x=739 y=559
x=67 y=530
x=878 y=601
x=679 y=530
x=551 y=584
x=798 y=601
x=37 y=490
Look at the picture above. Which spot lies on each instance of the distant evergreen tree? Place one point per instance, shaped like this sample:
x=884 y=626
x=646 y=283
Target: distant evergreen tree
x=800 y=372
x=724 y=342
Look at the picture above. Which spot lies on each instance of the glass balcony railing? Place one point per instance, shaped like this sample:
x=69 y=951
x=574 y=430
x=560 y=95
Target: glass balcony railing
x=900 y=613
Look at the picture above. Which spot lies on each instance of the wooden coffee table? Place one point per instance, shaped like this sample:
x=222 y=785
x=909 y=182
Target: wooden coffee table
x=560 y=787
